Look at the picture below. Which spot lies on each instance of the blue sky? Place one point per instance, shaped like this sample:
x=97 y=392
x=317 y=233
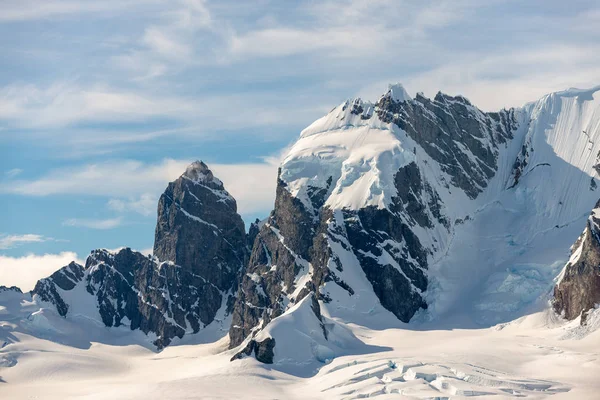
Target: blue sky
x=103 y=103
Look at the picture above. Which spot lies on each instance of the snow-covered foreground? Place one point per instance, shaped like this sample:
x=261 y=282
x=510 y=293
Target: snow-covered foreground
x=534 y=357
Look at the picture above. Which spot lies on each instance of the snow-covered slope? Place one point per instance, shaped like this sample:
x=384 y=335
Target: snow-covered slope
x=525 y=360
x=411 y=204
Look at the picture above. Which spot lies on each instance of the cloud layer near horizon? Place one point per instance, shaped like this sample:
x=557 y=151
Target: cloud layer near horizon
x=25 y=271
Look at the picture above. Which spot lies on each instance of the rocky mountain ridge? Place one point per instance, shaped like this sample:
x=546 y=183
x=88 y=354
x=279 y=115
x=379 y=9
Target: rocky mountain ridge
x=199 y=252
x=577 y=290
x=373 y=194
x=385 y=213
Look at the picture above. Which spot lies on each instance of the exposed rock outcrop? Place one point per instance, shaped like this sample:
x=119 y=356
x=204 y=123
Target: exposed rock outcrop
x=199 y=229
x=578 y=288
x=65 y=278
x=200 y=250
x=450 y=130
x=318 y=235
x=262 y=351
x=10 y=289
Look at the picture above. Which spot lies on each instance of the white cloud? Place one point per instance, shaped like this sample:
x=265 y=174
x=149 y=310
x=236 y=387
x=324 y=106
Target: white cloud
x=252 y=185
x=506 y=79
x=146 y=251
x=145 y=204
x=63 y=104
x=11 y=241
x=135 y=186
x=165 y=45
x=13 y=172
x=25 y=271
x=108 y=223
x=23 y=10
x=67 y=104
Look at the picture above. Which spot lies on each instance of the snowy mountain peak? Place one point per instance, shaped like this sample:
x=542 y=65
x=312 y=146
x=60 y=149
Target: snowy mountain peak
x=578 y=92
x=398 y=93
x=200 y=173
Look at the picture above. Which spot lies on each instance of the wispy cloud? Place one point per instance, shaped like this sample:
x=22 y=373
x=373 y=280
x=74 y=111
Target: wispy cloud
x=24 y=10
x=135 y=186
x=160 y=42
x=13 y=172
x=145 y=204
x=12 y=241
x=188 y=73
x=68 y=104
x=62 y=104
x=108 y=223
x=336 y=47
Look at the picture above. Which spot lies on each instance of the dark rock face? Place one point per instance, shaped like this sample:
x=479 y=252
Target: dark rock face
x=416 y=199
x=65 y=278
x=135 y=290
x=371 y=232
x=294 y=243
x=253 y=232
x=161 y=298
x=274 y=264
x=202 y=248
x=10 y=289
x=263 y=351
x=579 y=289
x=198 y=228
x=448 y=128
x=293 y=254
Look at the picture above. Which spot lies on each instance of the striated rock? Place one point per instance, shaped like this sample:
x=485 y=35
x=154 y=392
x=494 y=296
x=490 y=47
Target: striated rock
x=162 y=298
x=198 y=228
x=578 y=288
x=448 y=129
x=274 y=265
x=253 y=232
x=66 y=278
x=351 y=197
x=200 y=250
x=302 y=335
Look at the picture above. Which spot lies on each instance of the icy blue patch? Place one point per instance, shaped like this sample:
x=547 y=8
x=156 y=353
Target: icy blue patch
x=507 y=294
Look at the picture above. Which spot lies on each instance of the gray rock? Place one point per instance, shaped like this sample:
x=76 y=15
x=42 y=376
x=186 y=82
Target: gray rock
x=461 y=139
x=200 y=248
x=263 y=351
x=284 y=241
x=293 y=238
x=579 y=289
x=447 y=126
x=65 y=278
x=199 y=229
x=162 y=298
